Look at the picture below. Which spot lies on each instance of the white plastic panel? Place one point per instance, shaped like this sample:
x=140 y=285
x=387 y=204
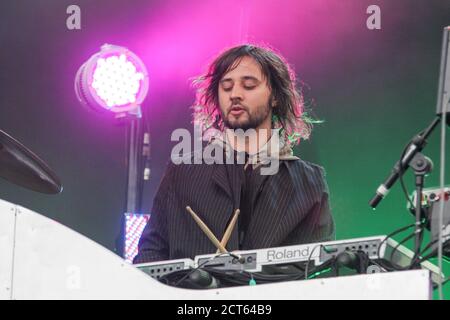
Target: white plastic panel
x=54 y=262
x=7 y=217
x=405 y=285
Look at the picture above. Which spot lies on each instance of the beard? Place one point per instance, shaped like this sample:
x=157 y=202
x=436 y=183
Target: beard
x=252 y=121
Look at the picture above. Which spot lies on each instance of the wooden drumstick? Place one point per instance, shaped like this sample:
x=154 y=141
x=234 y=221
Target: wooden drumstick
x=206 y=230
x=229 y=229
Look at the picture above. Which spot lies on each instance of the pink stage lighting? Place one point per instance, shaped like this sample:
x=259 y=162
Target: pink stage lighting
x=134 y=226
x=114 y=80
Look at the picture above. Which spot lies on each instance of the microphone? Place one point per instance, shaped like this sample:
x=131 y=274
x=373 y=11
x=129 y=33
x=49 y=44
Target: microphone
x=385 y=187
x=416 y=146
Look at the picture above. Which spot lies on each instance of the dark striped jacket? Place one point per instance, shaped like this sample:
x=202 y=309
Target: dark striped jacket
x=292 y=208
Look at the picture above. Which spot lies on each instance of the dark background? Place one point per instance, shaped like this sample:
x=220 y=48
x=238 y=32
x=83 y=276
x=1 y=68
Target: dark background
x=373 y=88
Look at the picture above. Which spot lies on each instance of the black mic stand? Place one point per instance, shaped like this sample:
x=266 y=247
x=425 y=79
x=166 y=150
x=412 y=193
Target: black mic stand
x=422 y=166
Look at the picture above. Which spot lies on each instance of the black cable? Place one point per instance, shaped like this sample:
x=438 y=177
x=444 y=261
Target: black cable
x=391 y=235
x=428 y=246
x=309 y=259
x=421 y=236
x=291 y=277
x=233 y=277
x=198 y=267
x=414 y=259
x=434 y=252
x=417 y=258
x=391 y=257
x=204 y=263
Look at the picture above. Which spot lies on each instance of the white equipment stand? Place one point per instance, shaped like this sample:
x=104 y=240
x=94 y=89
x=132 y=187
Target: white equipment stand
x=42 y=259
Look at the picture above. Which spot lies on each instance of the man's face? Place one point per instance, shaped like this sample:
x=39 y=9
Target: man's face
x=244 y=97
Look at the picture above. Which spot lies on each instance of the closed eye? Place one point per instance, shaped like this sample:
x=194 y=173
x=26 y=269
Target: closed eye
x=227 y=89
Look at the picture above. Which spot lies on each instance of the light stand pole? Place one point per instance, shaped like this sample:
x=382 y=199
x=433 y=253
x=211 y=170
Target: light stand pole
x=134 y=175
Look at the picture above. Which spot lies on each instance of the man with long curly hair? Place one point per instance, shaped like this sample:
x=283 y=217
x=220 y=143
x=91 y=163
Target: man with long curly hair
x=246 y=88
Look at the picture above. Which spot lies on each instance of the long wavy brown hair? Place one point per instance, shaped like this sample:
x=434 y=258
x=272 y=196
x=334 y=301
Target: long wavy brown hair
x=289 y=116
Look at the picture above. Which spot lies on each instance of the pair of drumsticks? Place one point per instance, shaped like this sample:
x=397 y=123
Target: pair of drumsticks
x=220 y=245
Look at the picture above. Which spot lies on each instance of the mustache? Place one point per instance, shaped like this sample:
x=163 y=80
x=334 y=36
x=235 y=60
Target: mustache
x=239 y=105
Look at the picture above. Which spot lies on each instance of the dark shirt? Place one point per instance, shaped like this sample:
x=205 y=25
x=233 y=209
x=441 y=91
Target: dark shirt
x=250 y=188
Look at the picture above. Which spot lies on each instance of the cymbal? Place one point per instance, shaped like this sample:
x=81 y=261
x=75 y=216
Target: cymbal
x=22 y=167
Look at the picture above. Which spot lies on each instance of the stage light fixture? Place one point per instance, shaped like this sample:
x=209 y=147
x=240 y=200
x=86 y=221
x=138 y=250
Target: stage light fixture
x=112 y=80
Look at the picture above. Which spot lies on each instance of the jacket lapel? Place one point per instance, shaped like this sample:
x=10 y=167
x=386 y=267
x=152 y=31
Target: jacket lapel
x=228 y=184
x=228 y=178
x=271 y=207
x=220 y=179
